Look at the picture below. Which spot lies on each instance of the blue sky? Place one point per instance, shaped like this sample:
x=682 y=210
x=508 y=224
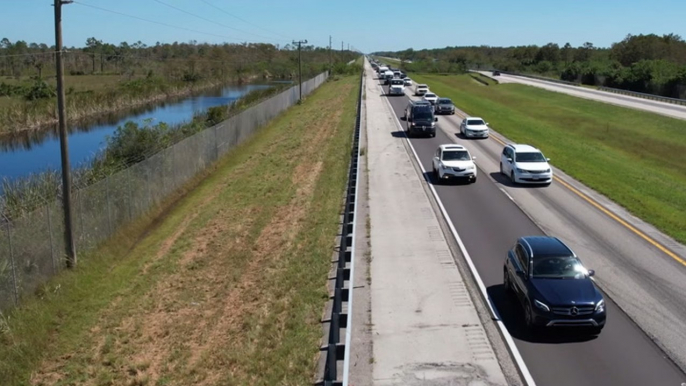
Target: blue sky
x=367 y=25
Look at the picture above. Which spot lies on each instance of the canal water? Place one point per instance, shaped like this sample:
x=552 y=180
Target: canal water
x=25 y=154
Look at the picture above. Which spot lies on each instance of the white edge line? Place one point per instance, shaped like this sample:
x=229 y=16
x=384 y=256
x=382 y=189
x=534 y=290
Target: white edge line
x=349 y=317
x=524 y=370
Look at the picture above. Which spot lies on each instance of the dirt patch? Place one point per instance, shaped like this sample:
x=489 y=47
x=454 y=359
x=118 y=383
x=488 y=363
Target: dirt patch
x=185 y=301
x=190 y=322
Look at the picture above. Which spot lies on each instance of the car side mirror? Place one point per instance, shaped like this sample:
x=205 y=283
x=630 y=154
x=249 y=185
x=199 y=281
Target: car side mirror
x=547 y=159
x=474 y=158
x=522 y=275
x=509 y=160
x=591 y=272
x=435 y=119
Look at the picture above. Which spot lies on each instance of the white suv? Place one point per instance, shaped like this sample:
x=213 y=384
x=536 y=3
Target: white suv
x=525 y=164
x=474 y=127
x=453 y=162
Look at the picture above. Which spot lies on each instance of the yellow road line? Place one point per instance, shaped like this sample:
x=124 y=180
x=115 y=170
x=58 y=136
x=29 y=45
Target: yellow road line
x=613 y=216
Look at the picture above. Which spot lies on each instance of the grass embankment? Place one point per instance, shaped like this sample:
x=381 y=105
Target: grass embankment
x=85 y=99
x=228 y=288
x=635 y=158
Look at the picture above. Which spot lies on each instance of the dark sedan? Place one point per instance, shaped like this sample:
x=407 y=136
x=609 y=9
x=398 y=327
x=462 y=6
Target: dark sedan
x=552 y=285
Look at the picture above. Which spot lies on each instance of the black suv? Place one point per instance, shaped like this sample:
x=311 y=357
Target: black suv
x=420 y=119
x=552 y=285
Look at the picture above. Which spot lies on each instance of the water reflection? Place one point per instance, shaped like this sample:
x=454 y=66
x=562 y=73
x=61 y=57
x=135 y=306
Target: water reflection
x=32 y=152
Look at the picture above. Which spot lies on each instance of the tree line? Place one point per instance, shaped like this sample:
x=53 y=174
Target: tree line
x=174 y=61
x=643 y=63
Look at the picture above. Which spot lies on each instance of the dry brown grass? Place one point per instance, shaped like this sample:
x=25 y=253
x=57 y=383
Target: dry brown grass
x=239 y=278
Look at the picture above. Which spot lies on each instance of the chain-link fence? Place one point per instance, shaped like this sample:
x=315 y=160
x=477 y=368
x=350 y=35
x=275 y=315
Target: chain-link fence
x=32 y=246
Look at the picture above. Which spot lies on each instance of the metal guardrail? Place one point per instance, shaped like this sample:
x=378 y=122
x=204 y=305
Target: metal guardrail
x=542 y=78
x=658 y=98
x=340 y=317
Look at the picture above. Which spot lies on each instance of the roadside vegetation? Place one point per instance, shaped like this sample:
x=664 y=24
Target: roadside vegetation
x=130 y=144
x=644 y=63
x=226 y=288
x=103 y=78
x=635 y=158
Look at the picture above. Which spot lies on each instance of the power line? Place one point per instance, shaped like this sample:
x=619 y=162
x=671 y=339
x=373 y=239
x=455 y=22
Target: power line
x=243 y=20
x=157 y=22
x=208 y=20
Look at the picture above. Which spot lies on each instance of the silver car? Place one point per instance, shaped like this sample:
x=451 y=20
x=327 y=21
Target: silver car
x=444 y=106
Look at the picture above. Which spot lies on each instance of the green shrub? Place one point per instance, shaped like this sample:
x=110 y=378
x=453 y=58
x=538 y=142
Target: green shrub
x=40 y=90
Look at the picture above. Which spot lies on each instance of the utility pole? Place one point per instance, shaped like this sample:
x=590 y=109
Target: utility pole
x=300 y=67
x=70 y=246
x=341 y=46
x=330 y=61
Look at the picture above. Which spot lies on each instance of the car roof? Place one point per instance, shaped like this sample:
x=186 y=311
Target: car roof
x=523 y=147
x=475 y=118
x=546 y=246
x=451 y=146
x=422 y=85
x=420 y=102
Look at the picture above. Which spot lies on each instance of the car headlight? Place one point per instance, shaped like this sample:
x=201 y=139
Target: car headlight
x=600 y=307
x=521 y=170
x=470 y=167
x=541 y=306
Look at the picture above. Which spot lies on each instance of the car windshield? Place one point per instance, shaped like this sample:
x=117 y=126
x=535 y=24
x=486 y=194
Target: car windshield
x=445 y=101
x=559 y=267
x=456 y=155
x=430 y=95
x=530 y=157
x=475 y=122
x=423 y=115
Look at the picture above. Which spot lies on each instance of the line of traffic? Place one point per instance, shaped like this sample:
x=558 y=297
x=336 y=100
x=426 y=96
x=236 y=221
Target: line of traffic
x=611 y=348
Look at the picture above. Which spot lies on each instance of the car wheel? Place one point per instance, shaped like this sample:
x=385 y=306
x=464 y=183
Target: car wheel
x=437 y=174
x=512 y=178
x=473 y=180
x=506 y=282
x=529 y=317
x=501 y=169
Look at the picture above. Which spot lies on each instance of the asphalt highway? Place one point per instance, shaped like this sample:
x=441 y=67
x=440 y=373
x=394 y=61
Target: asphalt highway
x=648 y=284
x=657 y=107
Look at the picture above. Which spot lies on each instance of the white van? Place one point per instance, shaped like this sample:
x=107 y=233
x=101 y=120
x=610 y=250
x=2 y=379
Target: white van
x=421 y=89
x=387 y=76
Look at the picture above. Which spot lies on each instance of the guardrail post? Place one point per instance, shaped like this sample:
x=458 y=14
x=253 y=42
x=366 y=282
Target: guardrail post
x=331 y=368
x=335 y=327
